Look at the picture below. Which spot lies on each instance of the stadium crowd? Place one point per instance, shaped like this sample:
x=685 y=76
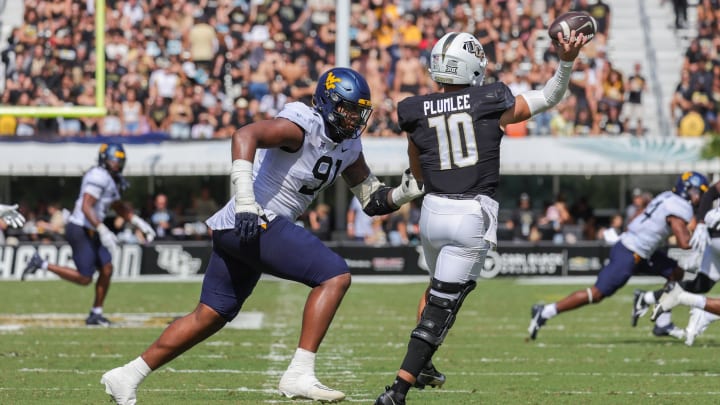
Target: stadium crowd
x=696 y=101
x=198 y=69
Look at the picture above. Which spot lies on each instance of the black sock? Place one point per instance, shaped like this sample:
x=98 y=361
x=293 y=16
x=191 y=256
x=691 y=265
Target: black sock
x=401 y=387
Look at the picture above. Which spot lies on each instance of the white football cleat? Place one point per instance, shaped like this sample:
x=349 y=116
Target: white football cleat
x=296 y=385
x=669 y=299
x=699 y=321
x=119 y=386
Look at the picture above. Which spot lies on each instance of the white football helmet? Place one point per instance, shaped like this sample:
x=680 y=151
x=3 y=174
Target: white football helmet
x=458 y=58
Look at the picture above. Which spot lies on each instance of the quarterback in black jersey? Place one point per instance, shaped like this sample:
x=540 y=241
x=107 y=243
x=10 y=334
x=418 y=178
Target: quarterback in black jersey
x=454 y=148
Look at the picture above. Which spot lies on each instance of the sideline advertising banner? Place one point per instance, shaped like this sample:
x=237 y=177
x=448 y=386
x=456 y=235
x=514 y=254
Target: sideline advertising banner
x=188 y=259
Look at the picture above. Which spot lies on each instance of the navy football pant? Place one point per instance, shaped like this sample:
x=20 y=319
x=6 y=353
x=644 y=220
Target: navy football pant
x=88 y=253
x=284 y=250
x=624 y=263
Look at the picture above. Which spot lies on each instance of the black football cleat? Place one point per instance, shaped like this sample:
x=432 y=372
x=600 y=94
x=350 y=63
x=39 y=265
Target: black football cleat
x=390 y=397
x=669 y=330
x=536 y=320
x=429 y=376
x=640 y=308
x=97 y=320
x=35 y=263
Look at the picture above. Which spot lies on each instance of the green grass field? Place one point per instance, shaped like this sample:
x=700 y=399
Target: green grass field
x=589 y=356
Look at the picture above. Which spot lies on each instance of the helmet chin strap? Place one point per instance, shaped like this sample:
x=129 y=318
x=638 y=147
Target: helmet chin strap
x=333 y=133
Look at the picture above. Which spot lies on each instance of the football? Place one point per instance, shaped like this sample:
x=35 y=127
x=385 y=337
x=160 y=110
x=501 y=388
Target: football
x=579 y=21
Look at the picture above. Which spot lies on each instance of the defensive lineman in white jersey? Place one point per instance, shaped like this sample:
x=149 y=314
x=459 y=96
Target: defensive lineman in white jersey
x=280 y=178
x=299 y=153
x=636 y=251
x=91 y=240
x=705 y=258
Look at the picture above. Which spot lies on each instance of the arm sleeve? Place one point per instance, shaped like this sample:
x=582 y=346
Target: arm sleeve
x=706 y=203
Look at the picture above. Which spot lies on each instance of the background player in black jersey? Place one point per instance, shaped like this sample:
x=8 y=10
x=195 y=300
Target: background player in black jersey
x=454 y=147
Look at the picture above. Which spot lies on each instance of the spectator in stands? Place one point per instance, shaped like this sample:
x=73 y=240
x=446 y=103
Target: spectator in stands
x=395 y=226
x=613 y=90
x=158 y=113
x=633 y=109
x=611 y=233
x=601 y=12
x=583 y=84
x=410 y=74
x=180 y=116
x=702 y=101
x=584 y=123
x=320 y=221
x=162 y=219
x=524 y=220
x=680 y=10
x=611 y=123
x=556 y=217
x=205 y=127
x=681 y=102
x=131 y=111
x=203 y=43
x=562 y=124
x=52 y=225
x=204 y=205
x=359 y=224
x=302 y=86
x=273 y=102
x=639 y=201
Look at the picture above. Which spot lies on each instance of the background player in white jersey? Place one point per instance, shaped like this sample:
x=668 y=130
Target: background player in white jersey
x=454 y=148
x=637 y=250
x=92 y=242
x=279 y=167
x=11 y=216
x=705 y=258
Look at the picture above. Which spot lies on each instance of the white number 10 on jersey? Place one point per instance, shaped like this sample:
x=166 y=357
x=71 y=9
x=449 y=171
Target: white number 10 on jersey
x=451 y=134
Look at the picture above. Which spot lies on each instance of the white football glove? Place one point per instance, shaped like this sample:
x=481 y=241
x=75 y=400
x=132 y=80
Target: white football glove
x=107 y=237
x=12 y=216
x=691 y=261
x=408 y=190
x=712 y=219
x=700 y=237
x=144 y=227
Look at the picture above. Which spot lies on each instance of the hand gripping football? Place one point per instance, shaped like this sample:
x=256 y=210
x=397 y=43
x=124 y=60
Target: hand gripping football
x=581 y=22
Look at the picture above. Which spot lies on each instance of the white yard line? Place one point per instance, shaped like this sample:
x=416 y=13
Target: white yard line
x=15 y=322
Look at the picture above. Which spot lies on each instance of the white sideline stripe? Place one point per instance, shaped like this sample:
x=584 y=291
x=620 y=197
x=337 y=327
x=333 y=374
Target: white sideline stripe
x=541 y=280
x=14 y=322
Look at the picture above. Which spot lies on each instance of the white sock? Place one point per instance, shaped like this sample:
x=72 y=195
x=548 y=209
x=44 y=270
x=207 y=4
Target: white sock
x=139 y=368
x=664 y=319
x=549 y=311
x=649 y=298
x=692 y=300
x=44 y=265
x=711 y=317
x=97 y=310
x=303 y=361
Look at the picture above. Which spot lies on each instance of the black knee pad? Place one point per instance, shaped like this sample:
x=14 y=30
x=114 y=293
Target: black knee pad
x=439 y=313
x=700 y=285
